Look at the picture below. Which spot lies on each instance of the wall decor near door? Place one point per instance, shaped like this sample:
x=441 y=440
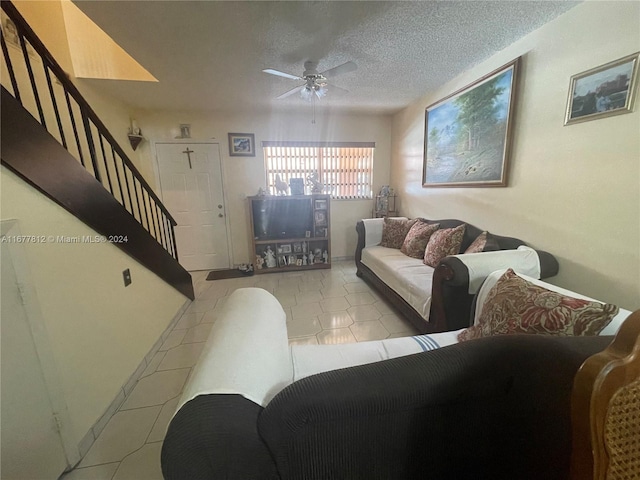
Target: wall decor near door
x=603 y=91
x=242 y=145
x=468 y=133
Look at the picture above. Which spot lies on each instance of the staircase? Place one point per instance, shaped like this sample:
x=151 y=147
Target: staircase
x=54 y=141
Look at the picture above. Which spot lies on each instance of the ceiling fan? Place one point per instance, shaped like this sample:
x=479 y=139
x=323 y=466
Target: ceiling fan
x=315 y=84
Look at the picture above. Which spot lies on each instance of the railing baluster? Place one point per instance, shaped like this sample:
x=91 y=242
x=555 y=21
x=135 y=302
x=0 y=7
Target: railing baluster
x=151 y=213
x=92 y=147
x=165 y=224
x=167 y=244
x=146 y=210
x=32 y=78
x=104 y=160
x=154 y=213
x=115 y=166
x=135 y=189
x=162 y=230
x=12 y=75
x=74 y=127
x=170 y=238
x=174 y=248
x=55 y=105
x=126 y=182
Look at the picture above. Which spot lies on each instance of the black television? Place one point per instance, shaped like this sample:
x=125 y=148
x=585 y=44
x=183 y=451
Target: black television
x=286 y=217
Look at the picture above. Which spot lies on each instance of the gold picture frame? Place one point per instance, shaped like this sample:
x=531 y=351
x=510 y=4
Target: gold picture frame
x=603 y=91
x=467 y=139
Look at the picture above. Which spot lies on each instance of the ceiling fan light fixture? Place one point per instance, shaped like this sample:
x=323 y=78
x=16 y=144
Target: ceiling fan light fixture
x=306 y=93
x=315 y=85
x=320 y=90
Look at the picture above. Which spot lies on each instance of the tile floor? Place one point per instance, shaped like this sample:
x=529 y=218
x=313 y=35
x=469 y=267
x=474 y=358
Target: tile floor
x=322 y=306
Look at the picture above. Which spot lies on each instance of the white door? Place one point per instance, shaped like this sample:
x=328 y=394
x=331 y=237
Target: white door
x=31 y=442
x=191 y=183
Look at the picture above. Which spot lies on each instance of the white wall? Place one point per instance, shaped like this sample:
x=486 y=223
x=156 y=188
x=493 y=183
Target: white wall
x=99 y=330
x=243 y=176
x=573 y=190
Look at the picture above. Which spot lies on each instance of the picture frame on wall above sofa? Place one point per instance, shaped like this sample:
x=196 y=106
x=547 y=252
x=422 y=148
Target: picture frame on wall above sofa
x=603 y=91
x=467 y=136
x=242 y=145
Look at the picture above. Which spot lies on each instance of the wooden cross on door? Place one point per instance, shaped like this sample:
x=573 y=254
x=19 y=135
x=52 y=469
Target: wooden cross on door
x=188 y=152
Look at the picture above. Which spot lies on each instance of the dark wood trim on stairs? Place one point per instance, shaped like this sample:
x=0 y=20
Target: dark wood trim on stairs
x=34 y=155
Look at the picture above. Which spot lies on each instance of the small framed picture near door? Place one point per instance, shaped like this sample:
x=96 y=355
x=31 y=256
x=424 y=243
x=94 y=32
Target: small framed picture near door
x=242 y=145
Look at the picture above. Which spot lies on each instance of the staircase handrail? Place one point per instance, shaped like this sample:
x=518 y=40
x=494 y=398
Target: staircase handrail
x=69 y=86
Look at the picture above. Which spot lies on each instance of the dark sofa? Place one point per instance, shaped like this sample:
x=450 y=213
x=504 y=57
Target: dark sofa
x=450 y=296
x=493 y=408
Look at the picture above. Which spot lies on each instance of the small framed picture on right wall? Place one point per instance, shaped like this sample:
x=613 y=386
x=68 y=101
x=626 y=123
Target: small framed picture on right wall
x=603 y=91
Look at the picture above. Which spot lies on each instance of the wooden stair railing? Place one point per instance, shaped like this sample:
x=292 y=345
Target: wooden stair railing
x=94 y=160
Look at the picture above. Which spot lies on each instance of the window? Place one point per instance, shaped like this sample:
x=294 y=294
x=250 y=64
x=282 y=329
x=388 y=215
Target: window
x=345 y=169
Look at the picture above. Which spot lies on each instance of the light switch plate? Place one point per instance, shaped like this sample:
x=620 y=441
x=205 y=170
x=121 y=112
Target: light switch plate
x=126 y=275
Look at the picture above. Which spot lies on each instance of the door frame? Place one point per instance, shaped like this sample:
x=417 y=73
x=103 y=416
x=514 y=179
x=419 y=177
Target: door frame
x=35 y=320
x=223 y=177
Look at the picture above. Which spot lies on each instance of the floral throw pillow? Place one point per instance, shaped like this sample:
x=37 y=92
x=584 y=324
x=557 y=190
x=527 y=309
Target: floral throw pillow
x=485 y=242
x=443 y=243
x=416 y=240
x=394 y=230
x=515 y=305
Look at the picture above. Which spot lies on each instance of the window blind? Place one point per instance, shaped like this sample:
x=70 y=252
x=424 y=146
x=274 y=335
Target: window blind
x=345 y=168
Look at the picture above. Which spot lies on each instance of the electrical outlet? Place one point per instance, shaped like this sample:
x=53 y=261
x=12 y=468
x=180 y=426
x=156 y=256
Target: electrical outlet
x=126 y=275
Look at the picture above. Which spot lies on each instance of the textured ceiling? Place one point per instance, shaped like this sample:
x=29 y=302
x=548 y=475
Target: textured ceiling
x=209 y=55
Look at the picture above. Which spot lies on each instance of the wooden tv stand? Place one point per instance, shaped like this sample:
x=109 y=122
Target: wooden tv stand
x=301 y=252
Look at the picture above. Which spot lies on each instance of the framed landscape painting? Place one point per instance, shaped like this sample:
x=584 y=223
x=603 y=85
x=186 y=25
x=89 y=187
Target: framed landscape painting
x=603 y=91
x=468 y=134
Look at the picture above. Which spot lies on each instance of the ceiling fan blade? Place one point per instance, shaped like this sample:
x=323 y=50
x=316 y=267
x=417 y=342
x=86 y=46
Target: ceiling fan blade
x=281 y=74
x=290 y=92
x=332 y=87
x=340 y=69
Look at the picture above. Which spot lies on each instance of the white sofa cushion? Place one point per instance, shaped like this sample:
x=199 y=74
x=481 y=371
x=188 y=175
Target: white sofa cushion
x=522 y=260
x=408 y=277
x=311 y=359
x=373 y=230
